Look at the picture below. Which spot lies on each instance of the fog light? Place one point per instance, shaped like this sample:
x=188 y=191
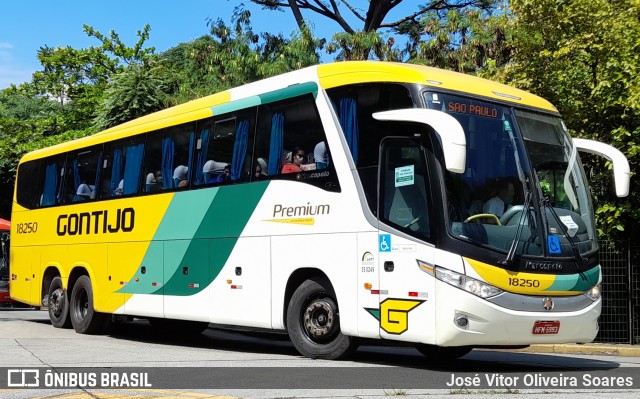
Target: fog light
x=462 y=321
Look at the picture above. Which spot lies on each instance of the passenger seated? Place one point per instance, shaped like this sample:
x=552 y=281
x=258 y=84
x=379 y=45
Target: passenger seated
x=297 y=160
x=179 y=174
x=154 y=182
x=83 y=193
x=320 y=155
x=223 y=177
x=120 y=189
x=212 y=169
x=261 y=169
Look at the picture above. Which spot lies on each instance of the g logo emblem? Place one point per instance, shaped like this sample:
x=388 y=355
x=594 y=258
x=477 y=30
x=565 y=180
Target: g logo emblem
x=394 y=314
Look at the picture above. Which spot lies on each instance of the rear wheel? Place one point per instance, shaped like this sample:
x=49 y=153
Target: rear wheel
x=439 y=353
x=58 y=304
x=313 y=322
x=84 y=318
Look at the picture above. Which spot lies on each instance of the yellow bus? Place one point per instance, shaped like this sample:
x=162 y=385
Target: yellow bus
x=338 y=202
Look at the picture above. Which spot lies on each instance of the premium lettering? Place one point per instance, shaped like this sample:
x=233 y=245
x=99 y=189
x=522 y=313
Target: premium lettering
x=96 y=222
x=295 y=211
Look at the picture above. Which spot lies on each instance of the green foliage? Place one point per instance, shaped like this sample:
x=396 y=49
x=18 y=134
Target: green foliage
x=362 y=46
x=134 y=92
x=465 y=40
x=584 y=56
x=61 y=101
x=233 y=55
x=121 y=53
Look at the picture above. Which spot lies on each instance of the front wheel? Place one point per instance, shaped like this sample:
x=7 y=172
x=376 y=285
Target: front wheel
x=313 y=322
x=443 y=353
x=58 y=304
x=84 y=318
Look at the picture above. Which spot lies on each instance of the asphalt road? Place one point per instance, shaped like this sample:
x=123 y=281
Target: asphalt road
x=221 y=363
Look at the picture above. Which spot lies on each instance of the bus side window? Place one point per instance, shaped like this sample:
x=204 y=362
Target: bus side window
x=122 y=167
x=28 y=190
x=168 y=158
x=293 y=125
x=83 y=175
x=223 y=153
x=404 y=202
x=354 y=106
x=51 y=181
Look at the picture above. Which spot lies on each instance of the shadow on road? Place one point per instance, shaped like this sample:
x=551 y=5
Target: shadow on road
x=478 y=360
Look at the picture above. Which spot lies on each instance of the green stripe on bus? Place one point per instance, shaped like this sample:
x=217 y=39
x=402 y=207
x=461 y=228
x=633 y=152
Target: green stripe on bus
x=273 y=96
x=289 y=92
x=184 y=214
x=212 y=220
x=236 y=105
x=576 y=282
x=222 y=225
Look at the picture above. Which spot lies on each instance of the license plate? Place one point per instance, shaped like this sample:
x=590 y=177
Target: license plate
x=546 y=327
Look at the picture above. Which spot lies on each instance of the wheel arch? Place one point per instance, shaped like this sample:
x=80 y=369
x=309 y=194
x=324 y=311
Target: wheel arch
x=50 y=272
x=78 y=270
x=298 y=277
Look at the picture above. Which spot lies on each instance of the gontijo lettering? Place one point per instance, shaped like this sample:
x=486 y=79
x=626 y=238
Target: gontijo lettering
x=96 y=222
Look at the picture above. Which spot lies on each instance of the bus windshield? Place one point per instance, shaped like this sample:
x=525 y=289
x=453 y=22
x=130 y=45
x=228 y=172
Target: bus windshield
x=561 y=180
x=516 y=160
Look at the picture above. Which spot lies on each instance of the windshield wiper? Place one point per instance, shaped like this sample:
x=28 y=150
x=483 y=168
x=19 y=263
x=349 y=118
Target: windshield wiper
x=514 y=244
x=545 y=203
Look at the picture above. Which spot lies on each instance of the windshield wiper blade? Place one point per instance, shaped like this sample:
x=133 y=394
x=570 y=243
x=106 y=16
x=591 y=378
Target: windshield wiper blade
x=565 y=230
x=514 y=244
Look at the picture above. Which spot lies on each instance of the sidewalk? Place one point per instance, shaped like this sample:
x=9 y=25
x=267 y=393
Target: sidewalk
x=587 y=349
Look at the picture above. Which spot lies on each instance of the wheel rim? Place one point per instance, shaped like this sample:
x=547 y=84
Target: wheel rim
x=81 y=305
x=56 y=302
x=320 y=320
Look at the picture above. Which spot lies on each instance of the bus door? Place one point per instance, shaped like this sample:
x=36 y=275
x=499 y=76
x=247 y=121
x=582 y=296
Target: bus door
x=404 y=226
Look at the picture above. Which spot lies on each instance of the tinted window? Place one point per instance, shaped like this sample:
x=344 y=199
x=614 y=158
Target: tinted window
x=291 y=144
x=29 y=174
x=404 y=202
x=223 y=149
x=82 y=175
x=354 y=106
x=168 y=158
x=122 y=167
x=51 y=180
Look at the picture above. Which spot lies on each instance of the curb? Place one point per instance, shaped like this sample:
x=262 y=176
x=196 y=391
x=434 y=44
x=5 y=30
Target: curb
x=587 y=349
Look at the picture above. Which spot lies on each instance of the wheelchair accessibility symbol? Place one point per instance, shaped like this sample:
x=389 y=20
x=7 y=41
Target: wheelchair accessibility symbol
x=553 y=244
x=385 y=242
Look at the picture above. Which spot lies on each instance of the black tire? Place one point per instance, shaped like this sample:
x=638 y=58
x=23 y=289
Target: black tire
x=313 y=322
x=443 y=353
x=58 y=304
x=84 y=318
x=178 y=328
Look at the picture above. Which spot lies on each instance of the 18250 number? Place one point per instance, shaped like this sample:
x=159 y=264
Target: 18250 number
x=27 y=228
x=524 y=282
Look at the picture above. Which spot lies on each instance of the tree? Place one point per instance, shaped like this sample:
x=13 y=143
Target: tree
x=234 y=54
x=584 y=56
x=371 y=20
x=61 y=101
x=465 y=40
x=359 y=42
x=134 y=92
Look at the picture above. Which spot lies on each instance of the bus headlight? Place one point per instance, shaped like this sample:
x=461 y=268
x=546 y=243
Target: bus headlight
x=469 y=284
x=594 y=293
